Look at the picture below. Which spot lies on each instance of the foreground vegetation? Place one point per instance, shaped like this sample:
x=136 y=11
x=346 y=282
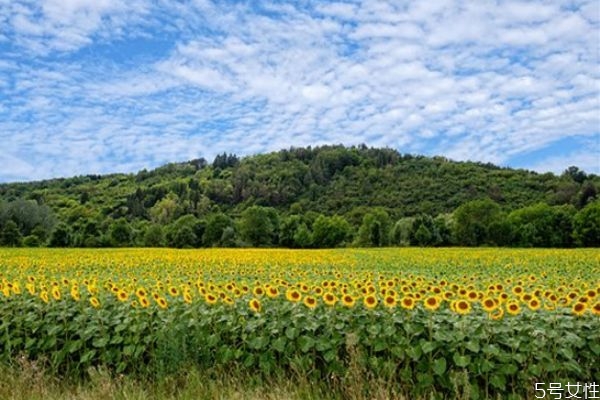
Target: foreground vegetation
x=416 y=322
x=322 y=197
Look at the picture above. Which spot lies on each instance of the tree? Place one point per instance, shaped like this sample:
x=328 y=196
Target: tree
x=330 y=231
x=423 y=236
x=259 y=226
x=374 y=230
x=10 y=235
x=541 y=225
x=400 y=235
x=60 y=236
x=154 y=236
x=215 y=226
x=586 y=225
x=303 y=237
x=166 y=210
x=287 y=230
x=424 y=231
x=120 y=233
x=472 y=221
x=186 y=231
x=184 y=237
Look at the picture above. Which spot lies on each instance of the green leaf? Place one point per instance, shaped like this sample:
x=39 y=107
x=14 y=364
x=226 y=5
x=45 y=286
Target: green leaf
x=473 y=346
x=439 y=366
x=428 y=347
x=87 y=357
x=279 y=344
x=128 y=350
x=259 y=342
x=100 y=342
x=306 y=343
x=498 y=381
x=291 y=333
x=461 y=361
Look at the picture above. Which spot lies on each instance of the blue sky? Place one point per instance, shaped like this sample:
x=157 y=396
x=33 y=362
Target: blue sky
x=100 y=86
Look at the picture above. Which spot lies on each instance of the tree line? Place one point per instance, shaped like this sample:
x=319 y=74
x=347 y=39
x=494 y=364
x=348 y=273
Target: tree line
x=475 y=223
x=328 y=196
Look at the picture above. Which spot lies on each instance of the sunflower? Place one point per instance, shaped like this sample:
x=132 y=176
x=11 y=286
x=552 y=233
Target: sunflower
x=513 y=308
x=134 y=304
x=348 y=301
x=173 y=291
x=122 y=295
x=497 y=315
x=526 y=298
x=329 y=299
x=144 y=302
x=489 y=304
x=162 y=303
x=95 y=302
x=534 y=304
x=293 y=295
x=596 y=308
x=30 y=288
x=210 y=298
x=75 y=294
x=272 y=292
x=370 y=301
x=141 y=292
x=462 y=307
x=389 y=301
x=517 y=290
x=56 y=293
x=407 y=303
x=44 y=296
x=258 y=291
x=310 y=302
x=432 y=303
x=187 y=297
x=254 y=305
x=472 y=295
x=579 y=308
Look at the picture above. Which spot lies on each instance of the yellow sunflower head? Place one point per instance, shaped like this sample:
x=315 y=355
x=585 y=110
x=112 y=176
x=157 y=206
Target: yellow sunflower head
x=370 y=301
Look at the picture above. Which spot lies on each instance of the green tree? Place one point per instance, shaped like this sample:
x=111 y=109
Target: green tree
x=586 y=225
x=259 y=226
x=184 y=237
x=400 y=235
x=375 y=228
x=303 y=237
x=330 y=231
x=185 y=232
x=60 y=236
x=424 y=232
x=423 y=236
x=215 y=226
x=541 y=225
x=10 y=235
x=472 y=221
x=120 y=233
x=166 y=210
x=287 y=230
x=154 y=236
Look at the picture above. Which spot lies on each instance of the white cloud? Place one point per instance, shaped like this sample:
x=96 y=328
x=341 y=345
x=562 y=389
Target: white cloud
x=481 y=80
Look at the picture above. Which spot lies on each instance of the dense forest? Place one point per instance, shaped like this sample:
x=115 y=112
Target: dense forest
x=325 y=196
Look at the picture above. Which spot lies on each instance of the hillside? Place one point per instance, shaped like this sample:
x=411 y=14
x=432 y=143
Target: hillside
x=323 y=180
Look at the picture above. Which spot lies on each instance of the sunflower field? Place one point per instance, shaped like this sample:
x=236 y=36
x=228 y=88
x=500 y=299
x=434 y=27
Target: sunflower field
x=495 y=321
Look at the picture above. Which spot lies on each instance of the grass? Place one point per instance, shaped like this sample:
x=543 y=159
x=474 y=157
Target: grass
x=28 y=381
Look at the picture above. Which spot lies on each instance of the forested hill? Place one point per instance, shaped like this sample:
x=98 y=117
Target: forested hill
x=306 y=182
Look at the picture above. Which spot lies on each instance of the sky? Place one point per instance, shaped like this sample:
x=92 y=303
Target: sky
x=103 y=86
